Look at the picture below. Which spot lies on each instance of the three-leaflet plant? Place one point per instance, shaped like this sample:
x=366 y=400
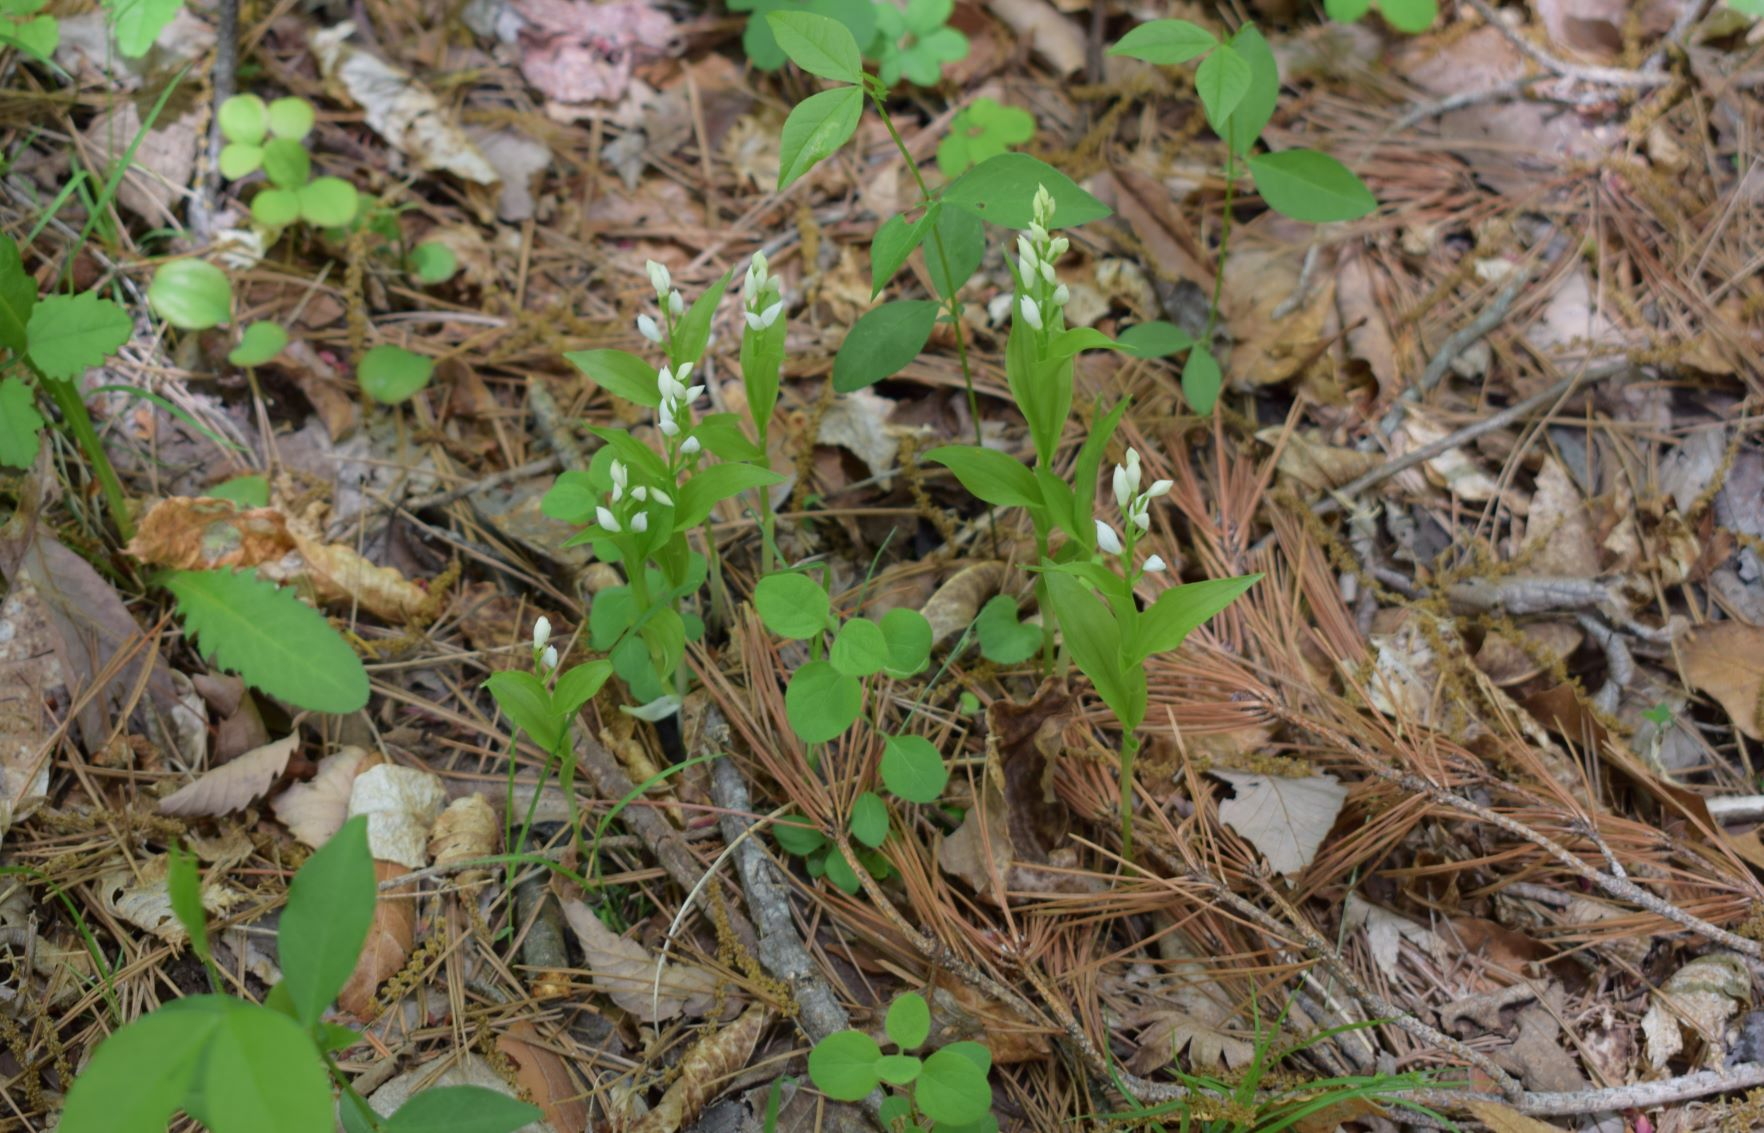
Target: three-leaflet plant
x=943 y=1091
x=243 y=1067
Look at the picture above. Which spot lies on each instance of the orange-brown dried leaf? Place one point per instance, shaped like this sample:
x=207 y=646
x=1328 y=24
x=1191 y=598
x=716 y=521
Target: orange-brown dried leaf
x=389 y=942
x=467 y=829
x=339 y=575
x=182 y=533
x=1726 y=661
x=545 y=1076
x=705 y=1071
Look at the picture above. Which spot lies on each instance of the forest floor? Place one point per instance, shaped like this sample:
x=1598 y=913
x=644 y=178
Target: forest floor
x=1466 y=788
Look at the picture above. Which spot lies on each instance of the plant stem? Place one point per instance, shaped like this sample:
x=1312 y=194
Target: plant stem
x=350 y=1096
x=79 y=423
x=1224 y=233
x=952 y=305
x=1129 y=749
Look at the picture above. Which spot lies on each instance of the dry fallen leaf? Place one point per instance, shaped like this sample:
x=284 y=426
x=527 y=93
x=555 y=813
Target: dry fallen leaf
x=1702 y=995
x=858 y=423
x=181 y=533
x=1285 y=819
x=401 y=804
x=400 y=109
x=704 y=1072
x=140 y=897
x=1505 y=1119
x=574 y=51
x=315 y=810
x=466 y=830
x=545 y=1076
x=1726 y=661
x=625 y=971
x=1386 y=931
x=388 y=945
x=1559 y=536
x=956 y=603
x=235 y=784
x=467 y=1070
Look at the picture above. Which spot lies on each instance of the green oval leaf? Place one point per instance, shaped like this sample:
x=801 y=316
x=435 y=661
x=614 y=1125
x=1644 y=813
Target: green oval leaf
x=1201 y=380
x=432 y=262
x=869 y=819
x=1310 y=186
x=882 y=341
x=330 y=907
x=244 y=119
x=1001 y=190
x=391 y=374
x=620 y=373
x=913 y=769
x=290 y=118
x=262 y=1073
x=952 y=1090
x=258 y=343
x=843 y=1065
x=909 y=641
x=1003 y=639
x=816 y=128
x=821 y=702
x=461 y=1109
x=1153 y=339
x=286 y=163
x=1165 y=42
x=329 y=202
x=898 y=1069
x=818 y=45
x=275 y=208
x=1410 y=16
x=239 y=159
x=989 y=475
x=1222 y=79
x=860 y=648
x=792 y=605
x=909 y=1021
x=191 y=294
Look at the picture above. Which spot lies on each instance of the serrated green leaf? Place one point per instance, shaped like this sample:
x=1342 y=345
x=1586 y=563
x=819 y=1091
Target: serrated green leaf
x=1310 y=186
x=815 y=129
x=271 y=639
x=70 y=334
x=882 y=341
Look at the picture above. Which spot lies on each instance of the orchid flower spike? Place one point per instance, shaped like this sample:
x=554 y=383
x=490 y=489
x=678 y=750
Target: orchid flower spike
x=1043 y=206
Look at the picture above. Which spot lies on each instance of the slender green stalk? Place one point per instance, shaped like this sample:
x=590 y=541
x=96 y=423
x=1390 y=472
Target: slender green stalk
x=951 y=304
x=1224 y=230
x=362 y=1109
x=79 y=423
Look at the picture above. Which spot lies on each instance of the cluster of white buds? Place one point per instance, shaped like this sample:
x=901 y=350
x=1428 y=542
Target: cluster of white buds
x=636 y=518
x=545 y=655
x=1135 y=508
x=672 y=303
x=1044 y=296
x=676 y=402
x=761 y=295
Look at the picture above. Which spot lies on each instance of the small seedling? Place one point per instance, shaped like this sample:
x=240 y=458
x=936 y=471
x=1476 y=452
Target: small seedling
x=946 y=1090
x=272 y=137
x=24 y=24
x=915 y=42
x=242 y=1067
x=983 y=129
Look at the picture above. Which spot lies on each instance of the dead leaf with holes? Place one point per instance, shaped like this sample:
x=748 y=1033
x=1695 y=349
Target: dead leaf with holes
x=1700 y=997
x=399 y=108
x=1726 y=661
x=1285 y=819
x=140 y=896
x=625 y=971
x=233 y=785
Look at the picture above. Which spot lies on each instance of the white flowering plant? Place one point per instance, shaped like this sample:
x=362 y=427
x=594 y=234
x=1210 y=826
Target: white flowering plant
x=638 y=502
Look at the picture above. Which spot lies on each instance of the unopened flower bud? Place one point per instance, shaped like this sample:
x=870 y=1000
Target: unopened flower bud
x=1062 y=295
x=770 y=314
x=690 y=446
x=1107 y=539
x=661 y=497
x=549 y=660
x=541 y=632
x=1154 y=564
x=607 y=519
x=676 y=305
x=640 y=522
x=1031 y=312
x=646 y=326
x=659 y=278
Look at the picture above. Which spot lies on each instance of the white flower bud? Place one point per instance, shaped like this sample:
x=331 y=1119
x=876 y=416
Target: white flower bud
x=690 y=446
x=756 y=277
x=607 y=519
x=1058 y=247
x=676 y=305
x=659 y=278
x=1031 y=312
x=640 y=493
x=1043 y=206
x=671 y=387
x=1047 y=272
x=1123 y=490
x=646 y=326
x=754 y=322
x=549 y=660
x=640 y=522
x=1039 y=235
x=1107 y=539
x=1062 y=295
x=668 y=427
x=694 y=394
x=1161 y=488
x=620 y=474
x=1154 y=564
x=1141 y=516
x=541 y=632
x=770 y=315
x=662 y=497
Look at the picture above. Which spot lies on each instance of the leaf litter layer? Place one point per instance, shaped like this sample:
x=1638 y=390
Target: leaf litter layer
x=1465 y=785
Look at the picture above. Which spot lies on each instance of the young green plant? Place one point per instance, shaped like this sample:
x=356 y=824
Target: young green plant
x=945 y=1090
x=243 y=1067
